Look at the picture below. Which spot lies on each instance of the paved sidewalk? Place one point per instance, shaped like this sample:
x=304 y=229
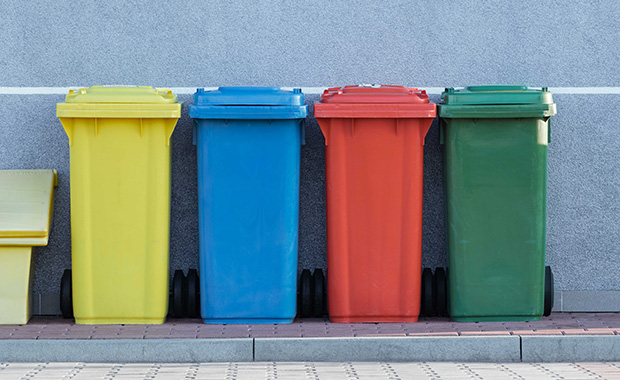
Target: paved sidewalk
x=314 y=371
x=558 y=338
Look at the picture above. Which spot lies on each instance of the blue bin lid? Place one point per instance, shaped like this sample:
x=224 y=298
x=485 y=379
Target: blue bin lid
x=248 y=103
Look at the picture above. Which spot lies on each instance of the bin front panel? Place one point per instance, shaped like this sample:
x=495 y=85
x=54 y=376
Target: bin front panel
x=120 y=210
x=248 y=194
x=374 y=218
x=496 y=203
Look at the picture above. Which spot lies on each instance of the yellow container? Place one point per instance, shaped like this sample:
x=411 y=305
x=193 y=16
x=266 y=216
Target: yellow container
x=26 y=204
x=120 y=201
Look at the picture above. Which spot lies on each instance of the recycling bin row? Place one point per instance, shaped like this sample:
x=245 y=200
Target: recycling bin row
x=248 y=143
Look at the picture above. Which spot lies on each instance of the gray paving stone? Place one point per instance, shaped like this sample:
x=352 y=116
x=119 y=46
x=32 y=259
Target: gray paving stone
x=127 y=350
x=489 y=349
x=572 y=348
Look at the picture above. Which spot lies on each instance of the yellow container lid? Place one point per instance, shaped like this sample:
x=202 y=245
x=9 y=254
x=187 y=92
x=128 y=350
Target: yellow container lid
x=120 y=102
x=26 y=204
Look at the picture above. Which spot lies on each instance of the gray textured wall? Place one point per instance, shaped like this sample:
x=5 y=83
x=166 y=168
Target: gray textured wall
x=327 y=43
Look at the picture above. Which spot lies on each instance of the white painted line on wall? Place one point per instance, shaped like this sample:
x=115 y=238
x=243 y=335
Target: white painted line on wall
x=309 y=90
x=35 y=90
x=188 y=90
x=586 y=90
x=305 y=90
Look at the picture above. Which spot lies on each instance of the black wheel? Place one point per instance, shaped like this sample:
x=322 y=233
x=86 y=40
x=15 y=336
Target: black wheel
x=427 y=293
x=305 y=294
x=66 y=295
x=549 y=291
x=319 y=291
x=178 y=294
x=440 y=292
x=192 y=302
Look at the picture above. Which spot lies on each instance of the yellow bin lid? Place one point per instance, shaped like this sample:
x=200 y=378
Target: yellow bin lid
x=26 y=203
x=120 y=102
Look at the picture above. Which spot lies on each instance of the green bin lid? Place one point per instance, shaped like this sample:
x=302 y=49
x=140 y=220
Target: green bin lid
x=496 y=101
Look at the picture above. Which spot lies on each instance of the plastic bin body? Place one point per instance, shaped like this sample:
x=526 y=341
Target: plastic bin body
x=120 y=202
x=496 y=176
x=248 y=147
x=374 y=139
x=16 y=273
x=26 y=207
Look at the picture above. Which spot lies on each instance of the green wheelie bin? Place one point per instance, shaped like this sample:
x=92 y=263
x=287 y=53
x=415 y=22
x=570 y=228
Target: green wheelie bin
x=495 y=141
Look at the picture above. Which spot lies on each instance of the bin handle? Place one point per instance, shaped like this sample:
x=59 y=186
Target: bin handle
x=171 y=124
x=324 y=125
x=67 y=124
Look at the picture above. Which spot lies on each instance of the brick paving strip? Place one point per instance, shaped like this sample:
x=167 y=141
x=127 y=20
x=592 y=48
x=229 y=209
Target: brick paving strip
x=556 y=324
x=560 y=337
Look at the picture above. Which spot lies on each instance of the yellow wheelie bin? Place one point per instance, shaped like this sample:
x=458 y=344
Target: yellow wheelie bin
x=120 y=203
x=26 y=205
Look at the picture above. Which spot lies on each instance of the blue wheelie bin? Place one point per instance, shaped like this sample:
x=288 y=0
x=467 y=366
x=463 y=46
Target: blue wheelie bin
x=248 y=143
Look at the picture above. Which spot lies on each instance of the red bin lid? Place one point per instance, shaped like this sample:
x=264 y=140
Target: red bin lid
x=374 y=101
x=369 y=93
